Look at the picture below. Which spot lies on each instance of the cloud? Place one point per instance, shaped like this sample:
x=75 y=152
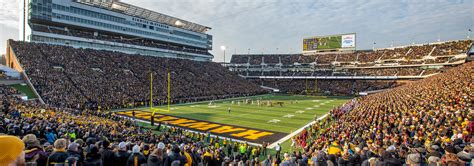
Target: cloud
x=9 y=13
x=8 y=22
x=265 y=25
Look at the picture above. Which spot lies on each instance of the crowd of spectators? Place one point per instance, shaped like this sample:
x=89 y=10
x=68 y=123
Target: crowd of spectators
x=408 y=54
x=85 y=78
x=402 y=71
x=387 y=71
x=3 y=75
x=427 y=122
x=59 y=136
x=452 y=48
x=368 y=57
x=382 y=62
x=347 y=57
x=269 y=59
x=119 y=39
x=328 y=87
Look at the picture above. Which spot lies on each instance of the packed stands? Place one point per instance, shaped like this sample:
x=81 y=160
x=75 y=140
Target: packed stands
x=386 y=71
x=427 y=122
x=409 y=54
x=451 y=48
x=410 y=62
x=420 y=123
x=54 y=136
x=86 y=78
x=328 y=87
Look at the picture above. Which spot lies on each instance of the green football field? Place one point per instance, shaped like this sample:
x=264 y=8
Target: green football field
x=295 y=112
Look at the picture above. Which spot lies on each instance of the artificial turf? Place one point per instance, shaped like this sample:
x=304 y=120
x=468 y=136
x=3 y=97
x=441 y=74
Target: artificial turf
x=295 y=112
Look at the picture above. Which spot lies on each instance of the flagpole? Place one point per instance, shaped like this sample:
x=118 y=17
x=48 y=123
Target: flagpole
x=169 y=90
x=469 y=33
x=151 y=92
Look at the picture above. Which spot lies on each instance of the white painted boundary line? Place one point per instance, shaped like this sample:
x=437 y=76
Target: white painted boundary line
x=185 y=104
x=271 y=146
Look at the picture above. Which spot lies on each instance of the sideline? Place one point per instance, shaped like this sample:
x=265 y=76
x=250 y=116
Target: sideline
x=191 y=103
x=271 y=146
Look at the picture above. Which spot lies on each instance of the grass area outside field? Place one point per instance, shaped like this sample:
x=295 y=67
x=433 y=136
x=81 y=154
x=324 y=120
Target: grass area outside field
x=24 y=88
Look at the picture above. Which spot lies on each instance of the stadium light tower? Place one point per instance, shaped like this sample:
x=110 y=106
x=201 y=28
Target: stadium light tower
x=223 y=49
x=469 y=33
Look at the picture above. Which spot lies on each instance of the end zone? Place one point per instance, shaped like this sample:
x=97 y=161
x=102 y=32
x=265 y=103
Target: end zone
x=252 y=135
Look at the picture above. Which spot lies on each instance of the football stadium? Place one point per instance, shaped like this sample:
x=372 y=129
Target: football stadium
x=106 y=82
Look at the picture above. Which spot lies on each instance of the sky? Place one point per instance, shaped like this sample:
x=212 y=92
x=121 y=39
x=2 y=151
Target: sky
x=279 y=26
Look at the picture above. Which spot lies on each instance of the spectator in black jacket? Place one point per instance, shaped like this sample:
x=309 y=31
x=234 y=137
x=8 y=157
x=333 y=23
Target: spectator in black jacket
x=59 y=154
x=80 y=149
x=156 y=158
x=344 y=160
x=122 y=155
x=107 y=154
x=34 y=152
x=93 y=157
x=136 y=158
x=73 y=151
x=390 y=160
x=175 y=158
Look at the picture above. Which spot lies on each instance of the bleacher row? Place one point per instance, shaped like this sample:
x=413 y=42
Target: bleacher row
x=328 y=87
x=405 y=71
x=402 y=61
x=437 y=53
x=85 y=78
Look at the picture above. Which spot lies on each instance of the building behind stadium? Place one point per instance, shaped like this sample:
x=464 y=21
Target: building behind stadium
x=112 y=25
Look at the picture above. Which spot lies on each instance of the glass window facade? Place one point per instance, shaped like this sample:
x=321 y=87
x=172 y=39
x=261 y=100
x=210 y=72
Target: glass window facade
x=67 y=12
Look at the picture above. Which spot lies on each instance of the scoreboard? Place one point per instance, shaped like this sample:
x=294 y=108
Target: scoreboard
x=330 y=43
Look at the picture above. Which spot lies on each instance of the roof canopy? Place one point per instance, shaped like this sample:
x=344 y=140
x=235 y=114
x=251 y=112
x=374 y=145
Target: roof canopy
x=148 y=14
